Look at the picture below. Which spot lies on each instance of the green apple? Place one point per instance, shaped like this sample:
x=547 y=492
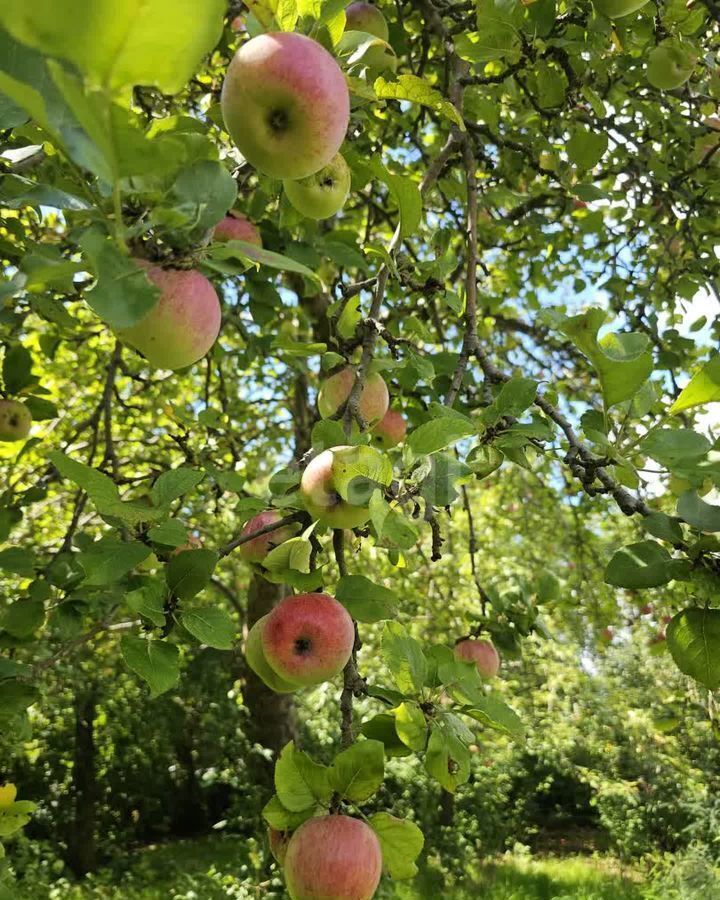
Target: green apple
x=15 y=420
x=321 y=195
x=670 y=64
x=366 y=17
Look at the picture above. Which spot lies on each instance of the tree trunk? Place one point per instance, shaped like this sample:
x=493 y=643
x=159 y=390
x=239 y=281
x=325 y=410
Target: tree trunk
x=82 y=849
x=447 y=808
x=272 y=721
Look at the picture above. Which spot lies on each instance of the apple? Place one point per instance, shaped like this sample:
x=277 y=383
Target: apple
x=184 y=323
x=308 y=638
x=235 y=227
x=390 y=430
x=15 y=420
x=255 y=656
x=669 y=65
x=480 y=652
x=278 y=841
x=321 y=195
x=616 y=9
x=366 y=17
x=257 y=549
x=286 y=104
x=333 y=857
x=335 y=390
x=319 y=494
x=364 y=51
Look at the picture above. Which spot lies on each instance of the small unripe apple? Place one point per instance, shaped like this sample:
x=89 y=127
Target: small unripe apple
x=669 y=65
x=335 y=390
x=321 y=498
x=278 y=841
x=183 y=325
x=390 y=430
x=235 y=227
x=616 y=9
x=333 y=858
x=308 y=638
x=15 y=420
x=321 y=195
x=286 y=104
x=257 y=549
x=366 y=17
x=480 y=652
x=255 y=656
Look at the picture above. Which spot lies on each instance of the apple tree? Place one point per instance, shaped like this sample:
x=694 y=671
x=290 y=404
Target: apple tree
x=285 y=282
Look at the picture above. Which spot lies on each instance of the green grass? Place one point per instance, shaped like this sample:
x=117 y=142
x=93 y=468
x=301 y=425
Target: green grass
x=215 y=867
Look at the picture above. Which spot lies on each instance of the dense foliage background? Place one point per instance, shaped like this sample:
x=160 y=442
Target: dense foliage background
x=529 y=257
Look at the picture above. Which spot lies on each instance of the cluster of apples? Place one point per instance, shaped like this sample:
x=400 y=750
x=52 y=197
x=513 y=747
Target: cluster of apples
x=333 y=856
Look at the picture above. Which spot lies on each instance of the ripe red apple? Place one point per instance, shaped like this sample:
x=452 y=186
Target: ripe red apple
x=255 y=656
x=15 y=420
x=183 y=325
x=319 y=494
x=321 y=195
x=616 y=9
x=286 y=104
x=235 y=227
x=333 y=858
x=278 y=841
x=335 y=390
x=366 y=17
x=390 y=430
x=308 y=638
x=257 y=549
x=482 y=653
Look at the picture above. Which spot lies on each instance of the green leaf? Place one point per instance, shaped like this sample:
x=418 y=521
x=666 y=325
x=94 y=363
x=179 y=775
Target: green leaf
x=439 y=433
x=382 y=728
x=23 y=617
x=417 y=90
x=406 y=194
x=661 y=526
x=400 y=841
x=15 y=698
x=190 y=571
x=149 y=600
x=398 y=532
x=17 y=192
x=224 y=250
x=292 y=555
x=202 y=193
x=644 y=564
x=497 y=40
x=109 y=559
x=156 y=662
x=122 y=295
x=149 y=42
x=171 y=533
x=210 y=626
x=358 y=772
x=174 y=484
x=698 y=513
x=404 y=658
x=623 y=361
x=671 y=447
x=18 y=560
x=17 y=368
x=516 y=396
x=704 y=387
x=440 y=488
x=586 y=148
x=492 y=710
x=447 y=759
x=357 y=472
x=411 y=726
x=282 y=819
x=300 y=782
x=693 y=638
x=365 y=600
